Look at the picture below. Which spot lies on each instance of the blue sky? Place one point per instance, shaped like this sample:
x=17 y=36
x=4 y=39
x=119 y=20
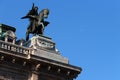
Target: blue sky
x=87 y=32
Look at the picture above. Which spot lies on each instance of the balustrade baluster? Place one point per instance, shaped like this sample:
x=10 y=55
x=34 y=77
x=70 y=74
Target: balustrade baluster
x=2 y=45
x=8 y=47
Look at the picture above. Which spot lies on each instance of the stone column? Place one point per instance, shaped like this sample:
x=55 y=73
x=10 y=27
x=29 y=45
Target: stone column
x=33 y=75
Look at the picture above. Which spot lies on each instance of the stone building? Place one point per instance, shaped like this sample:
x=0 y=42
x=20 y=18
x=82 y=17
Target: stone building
x=35 y=59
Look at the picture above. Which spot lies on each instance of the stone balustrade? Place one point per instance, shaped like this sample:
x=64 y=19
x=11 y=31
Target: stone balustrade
x=15 y=48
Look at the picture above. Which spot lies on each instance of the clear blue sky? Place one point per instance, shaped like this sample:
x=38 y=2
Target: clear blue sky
x=87 y=32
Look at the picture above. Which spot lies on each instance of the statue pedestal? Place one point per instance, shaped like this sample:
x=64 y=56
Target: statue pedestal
x=45 y=47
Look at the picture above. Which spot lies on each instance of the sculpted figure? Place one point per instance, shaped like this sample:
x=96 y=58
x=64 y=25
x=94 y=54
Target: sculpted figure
x=37 y=23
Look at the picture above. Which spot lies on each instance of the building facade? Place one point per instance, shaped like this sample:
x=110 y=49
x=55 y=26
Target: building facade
x=35 y=59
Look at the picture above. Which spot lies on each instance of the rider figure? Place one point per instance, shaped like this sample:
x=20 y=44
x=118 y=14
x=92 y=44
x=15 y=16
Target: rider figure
x=31 y=15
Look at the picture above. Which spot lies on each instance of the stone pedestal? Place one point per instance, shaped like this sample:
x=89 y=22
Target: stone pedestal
x=44 y=47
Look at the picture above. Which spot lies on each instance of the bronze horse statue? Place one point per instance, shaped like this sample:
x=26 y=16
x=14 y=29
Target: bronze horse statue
x=37 y=23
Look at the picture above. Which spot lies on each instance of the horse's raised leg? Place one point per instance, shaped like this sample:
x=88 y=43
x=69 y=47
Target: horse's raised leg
x=27 y=35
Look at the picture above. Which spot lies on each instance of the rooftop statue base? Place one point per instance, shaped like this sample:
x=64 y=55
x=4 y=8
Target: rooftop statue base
x=44 y=47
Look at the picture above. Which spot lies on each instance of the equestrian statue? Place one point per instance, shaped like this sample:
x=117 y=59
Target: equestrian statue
x=37 y=23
